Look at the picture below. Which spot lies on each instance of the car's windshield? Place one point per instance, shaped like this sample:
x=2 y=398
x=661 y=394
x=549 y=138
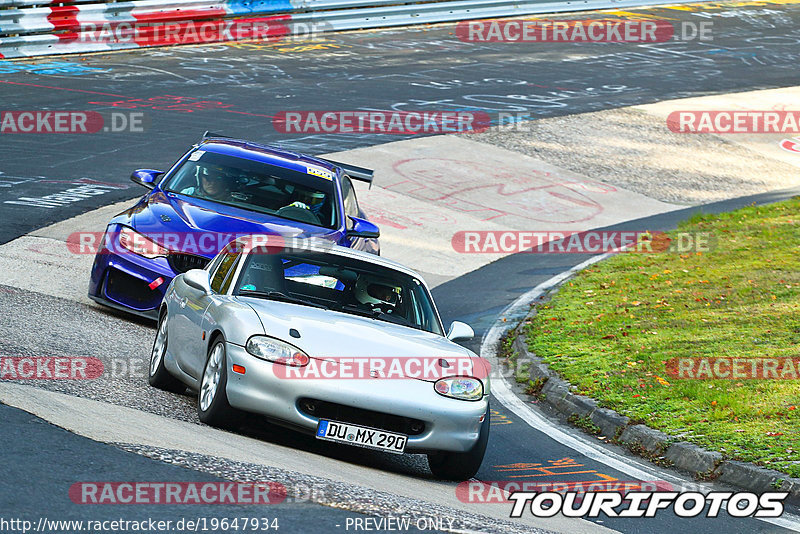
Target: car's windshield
x=343 y=284
x=286 y=193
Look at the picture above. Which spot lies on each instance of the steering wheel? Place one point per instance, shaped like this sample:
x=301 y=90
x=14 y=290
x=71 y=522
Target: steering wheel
x=298 y=214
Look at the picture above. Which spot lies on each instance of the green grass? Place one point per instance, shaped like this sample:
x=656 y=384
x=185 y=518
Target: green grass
x=611 y=329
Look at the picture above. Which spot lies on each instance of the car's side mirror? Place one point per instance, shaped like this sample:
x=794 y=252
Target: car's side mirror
x=363 y=228
x=146 y=177
x=198 y=279
x=459 y=330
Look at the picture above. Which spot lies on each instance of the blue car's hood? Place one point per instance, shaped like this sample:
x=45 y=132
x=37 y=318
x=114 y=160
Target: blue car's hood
x=163 y=213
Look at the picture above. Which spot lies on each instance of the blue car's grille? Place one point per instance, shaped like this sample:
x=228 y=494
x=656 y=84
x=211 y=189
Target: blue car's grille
x=181 y=263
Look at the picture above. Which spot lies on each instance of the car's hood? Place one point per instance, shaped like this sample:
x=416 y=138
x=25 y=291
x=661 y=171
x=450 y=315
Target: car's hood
x=171 y=213
x=329 y=334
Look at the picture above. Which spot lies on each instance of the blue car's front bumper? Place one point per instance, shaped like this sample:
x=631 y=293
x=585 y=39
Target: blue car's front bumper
x=130 y=282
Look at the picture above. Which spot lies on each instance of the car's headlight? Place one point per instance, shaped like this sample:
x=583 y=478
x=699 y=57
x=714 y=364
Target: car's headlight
x=275 y=350
x=460 y=387
x=139 y=244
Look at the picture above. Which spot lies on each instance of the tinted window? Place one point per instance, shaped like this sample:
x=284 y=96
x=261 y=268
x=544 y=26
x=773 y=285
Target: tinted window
x=306 y=197
x=343 y=284
x=349 y=198
x=226 y=266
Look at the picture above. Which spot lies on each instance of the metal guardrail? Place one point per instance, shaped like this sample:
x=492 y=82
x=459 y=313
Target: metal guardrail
x=67 y=29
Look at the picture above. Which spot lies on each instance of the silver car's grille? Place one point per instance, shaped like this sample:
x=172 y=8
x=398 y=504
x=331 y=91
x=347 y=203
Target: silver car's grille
x=359 y=416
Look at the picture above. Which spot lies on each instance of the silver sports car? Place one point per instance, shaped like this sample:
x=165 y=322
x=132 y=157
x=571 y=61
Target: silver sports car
x=342 y=344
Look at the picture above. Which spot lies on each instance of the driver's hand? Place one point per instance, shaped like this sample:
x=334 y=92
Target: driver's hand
x=298 y=204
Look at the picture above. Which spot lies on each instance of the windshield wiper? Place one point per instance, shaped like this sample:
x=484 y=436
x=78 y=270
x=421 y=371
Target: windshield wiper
x=357 y=310
x=277 y=295
x=376 y=314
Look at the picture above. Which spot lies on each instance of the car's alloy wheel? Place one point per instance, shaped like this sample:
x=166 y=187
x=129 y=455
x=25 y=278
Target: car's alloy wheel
x=159 y=377
x=212 y=402
x=211 y=376
x=159 y=347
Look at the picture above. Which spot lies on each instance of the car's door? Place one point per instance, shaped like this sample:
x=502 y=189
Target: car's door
x=221 y=280
x=185 y=336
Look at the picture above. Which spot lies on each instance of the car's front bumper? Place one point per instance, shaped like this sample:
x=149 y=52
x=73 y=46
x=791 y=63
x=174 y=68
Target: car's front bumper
x=449 y=424
x=129 y=282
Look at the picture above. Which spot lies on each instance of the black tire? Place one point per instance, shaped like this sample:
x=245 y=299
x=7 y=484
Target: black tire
x=158 y=376
x=218 y=412
x=461 y=465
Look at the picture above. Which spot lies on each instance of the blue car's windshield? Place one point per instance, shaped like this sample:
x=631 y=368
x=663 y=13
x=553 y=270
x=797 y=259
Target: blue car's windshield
x=338 y=283
x=257 y=186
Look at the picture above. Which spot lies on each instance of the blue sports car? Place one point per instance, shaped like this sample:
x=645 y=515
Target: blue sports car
x=222 y=188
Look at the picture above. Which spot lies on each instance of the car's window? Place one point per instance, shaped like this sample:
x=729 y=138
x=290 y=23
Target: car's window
x=306 y=197
x=304 y=273
x=226 y=284
x=211 y=267
x=349 y=198
x=348 y=285
x=226 y=267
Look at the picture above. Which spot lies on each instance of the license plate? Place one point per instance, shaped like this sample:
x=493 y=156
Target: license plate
x=361 y=436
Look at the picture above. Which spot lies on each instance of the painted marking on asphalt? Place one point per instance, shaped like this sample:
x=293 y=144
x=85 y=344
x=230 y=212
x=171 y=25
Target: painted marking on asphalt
x=556 y=468
x=500 y=419
x=503 y=393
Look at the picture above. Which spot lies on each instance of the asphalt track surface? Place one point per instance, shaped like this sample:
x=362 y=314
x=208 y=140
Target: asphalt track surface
x=403 y=70
x=55 y=459
x=237 y=89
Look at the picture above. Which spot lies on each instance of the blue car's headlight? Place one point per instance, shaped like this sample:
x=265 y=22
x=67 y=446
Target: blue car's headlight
x=137 y=243
x=460 y=387
x=275 y=350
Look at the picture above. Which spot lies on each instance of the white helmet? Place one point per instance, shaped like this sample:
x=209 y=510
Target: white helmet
x=375 y=292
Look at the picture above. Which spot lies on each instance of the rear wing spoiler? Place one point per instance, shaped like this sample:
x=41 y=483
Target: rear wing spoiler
x=212 y=135
x=356 y=173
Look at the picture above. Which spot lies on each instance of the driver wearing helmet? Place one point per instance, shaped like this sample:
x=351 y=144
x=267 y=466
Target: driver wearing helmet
x=376 y=294
x=213 y=182
x=308 y=200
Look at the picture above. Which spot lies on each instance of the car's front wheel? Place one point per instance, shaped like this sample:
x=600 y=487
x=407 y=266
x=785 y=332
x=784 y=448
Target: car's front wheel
x=461 y=465
x=212 y=402
x=159 y=377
